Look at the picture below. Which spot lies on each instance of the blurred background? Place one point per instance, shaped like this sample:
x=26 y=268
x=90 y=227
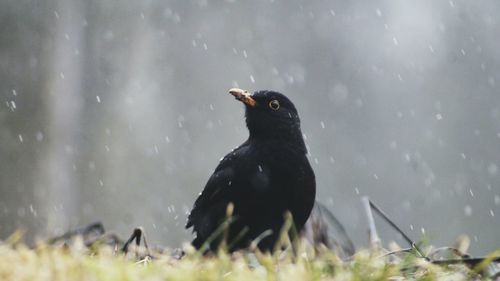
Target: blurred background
x=117 y=111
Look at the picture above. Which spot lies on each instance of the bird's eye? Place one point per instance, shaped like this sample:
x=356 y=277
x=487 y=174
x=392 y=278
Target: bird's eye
x=274 y=104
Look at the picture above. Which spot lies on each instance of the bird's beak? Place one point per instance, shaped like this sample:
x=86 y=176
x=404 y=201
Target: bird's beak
x=243 y=96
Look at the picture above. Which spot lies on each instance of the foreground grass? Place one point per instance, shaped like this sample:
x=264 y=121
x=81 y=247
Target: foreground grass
x=18 y=262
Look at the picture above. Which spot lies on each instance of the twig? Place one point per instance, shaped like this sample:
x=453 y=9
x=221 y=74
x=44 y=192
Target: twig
x=391 y=223
x=136 y=235
x=372 y=230
x=468 y=261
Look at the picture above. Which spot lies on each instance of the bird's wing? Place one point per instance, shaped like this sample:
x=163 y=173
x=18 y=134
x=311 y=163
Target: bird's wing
x=218 y=192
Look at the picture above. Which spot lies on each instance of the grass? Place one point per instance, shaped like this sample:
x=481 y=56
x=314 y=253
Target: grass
x=76 y=262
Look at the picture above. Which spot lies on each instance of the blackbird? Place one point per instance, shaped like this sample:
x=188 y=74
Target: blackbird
x=266 y=176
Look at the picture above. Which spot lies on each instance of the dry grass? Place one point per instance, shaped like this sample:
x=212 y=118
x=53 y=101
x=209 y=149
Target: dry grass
x=76 y=262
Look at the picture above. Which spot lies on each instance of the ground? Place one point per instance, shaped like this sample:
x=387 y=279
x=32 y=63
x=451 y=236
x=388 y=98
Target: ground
x=76 y=262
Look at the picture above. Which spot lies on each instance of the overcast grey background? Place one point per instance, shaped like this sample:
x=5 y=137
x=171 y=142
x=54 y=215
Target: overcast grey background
x=118 y=110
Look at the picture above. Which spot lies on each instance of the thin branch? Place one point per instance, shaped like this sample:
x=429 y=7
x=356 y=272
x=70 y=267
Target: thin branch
x=372 y=230
x=391 y=223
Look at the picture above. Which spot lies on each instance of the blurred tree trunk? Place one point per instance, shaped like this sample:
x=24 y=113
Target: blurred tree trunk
x=63 y=103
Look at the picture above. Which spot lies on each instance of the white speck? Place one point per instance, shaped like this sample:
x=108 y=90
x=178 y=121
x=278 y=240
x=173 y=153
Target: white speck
x=393 y=145
x=229 y=183
x=463 y=156
x=379 y=12
x=332 y=12
x=101 y=183
x=61 y=74
x=322 y=124
x=497 y=200
x=442 y=27
x=431 y=48
x=98 y=99
x=180 y=119
x=375 y=176
x=452 y=4
x=468 y=210
x=316 y=161
x=66 y=36
x=356 y=190
x=33 y=211
x=260 y=168
x=471 y=192
x=475 y=238
x=400 y=77
x=56 y=14
x=39 y=136
x=13 y=105
x=439 y=116
x=176 y=18
x=211 y=106
x=407 y=157
x=491 y=81
x=411 y=226
x=235 y=51
x=14 y=92
x=193 y=42
x=167 y=139
x=462 y=51
x=304 y=136
x=252 y=79
x=142 y=16
x=20 y=138
x=106 y=147
x=332 y=160
x=422 y=230
x=492 y=169
x=492 y=213
x=395 y=41
x=386 y=26
x=245 y=53
x=205 y=46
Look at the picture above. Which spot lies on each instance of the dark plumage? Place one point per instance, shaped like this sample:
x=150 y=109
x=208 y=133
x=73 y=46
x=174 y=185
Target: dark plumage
x=264 y=177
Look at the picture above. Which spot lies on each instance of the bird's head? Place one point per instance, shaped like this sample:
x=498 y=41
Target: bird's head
x=269 y=114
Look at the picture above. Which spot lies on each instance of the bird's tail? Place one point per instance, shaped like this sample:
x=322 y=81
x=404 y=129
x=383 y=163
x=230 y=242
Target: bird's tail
x=197 y=243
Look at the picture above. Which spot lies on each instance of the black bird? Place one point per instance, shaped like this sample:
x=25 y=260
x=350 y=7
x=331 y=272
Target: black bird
x=263 y=178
